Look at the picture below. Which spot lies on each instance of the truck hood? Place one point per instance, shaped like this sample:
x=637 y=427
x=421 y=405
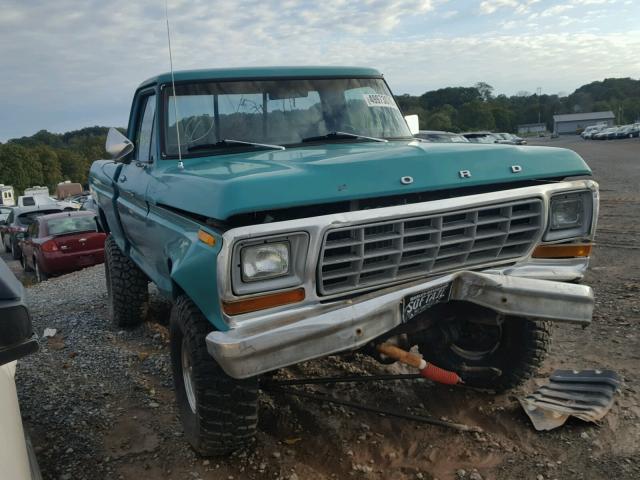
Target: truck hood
x=225 y=185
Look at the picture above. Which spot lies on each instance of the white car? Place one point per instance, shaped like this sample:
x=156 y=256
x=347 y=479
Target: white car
x=46 y=201
x=591 y=130
x=17 y=457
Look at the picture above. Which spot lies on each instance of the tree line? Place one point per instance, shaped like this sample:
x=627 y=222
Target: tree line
x=460 y=109
x=48 y=158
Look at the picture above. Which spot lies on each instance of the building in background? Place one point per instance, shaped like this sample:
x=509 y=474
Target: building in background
x=532 y=128
x=575 y=123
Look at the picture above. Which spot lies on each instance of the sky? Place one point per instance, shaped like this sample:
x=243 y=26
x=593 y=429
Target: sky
x=68 y=64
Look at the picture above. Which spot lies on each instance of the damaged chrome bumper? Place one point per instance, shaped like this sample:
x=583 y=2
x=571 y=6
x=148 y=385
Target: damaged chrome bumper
x=313 y=331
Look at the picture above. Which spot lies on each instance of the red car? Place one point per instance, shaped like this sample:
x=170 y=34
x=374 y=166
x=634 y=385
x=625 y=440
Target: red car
x=61 y=243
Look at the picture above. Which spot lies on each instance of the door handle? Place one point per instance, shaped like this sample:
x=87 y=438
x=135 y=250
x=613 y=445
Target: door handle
x=122 y=178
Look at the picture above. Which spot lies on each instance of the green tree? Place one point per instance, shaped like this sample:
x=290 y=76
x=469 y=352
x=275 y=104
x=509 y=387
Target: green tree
x=73 y=166
x=50 y=164
x=439 y=121
x=15 y=161
x=476 y=115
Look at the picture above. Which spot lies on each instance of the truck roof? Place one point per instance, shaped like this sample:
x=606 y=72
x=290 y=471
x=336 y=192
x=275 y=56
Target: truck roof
x=262 y=73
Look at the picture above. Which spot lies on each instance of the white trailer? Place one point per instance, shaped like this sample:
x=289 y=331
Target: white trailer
x=36 y=190
x=7 y=198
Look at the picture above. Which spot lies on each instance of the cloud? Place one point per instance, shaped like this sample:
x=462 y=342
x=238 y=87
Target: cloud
x=490 y=6
x=68 y=64
x=555 y=10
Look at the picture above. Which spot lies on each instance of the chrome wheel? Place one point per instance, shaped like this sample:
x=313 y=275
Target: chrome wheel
x=187 y=375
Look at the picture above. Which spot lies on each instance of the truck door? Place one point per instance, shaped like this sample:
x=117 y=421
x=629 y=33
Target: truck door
x=133 y=180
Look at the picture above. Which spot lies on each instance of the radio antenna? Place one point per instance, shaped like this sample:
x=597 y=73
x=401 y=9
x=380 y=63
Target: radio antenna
x=173 y=86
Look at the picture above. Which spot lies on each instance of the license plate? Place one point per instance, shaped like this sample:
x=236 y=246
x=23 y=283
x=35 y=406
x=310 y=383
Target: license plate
x=85 y=260
x=413 y=305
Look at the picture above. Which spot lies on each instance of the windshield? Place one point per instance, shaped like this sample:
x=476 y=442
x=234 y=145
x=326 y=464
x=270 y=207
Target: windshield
x=65 y=225
x=278 y=112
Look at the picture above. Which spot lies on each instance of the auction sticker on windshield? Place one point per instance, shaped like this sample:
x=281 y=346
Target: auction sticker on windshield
x=413 y=305
x=379 y=100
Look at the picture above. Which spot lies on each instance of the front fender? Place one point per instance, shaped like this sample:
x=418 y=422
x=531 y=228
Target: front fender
x=184 y=264
x=102 y=183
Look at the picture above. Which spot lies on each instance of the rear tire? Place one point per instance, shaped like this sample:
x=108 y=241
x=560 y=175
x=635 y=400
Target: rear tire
x=219 y=413
x=517 y=347
x=23 y=262
x=16 y=253
x=127 y=287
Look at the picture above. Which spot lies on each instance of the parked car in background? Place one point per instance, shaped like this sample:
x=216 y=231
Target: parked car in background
x=61 y=243
x=606 y=134
x=481 y=137
x=89 y=205
x=14 y=227
x=510 y=139
x=437 y=136
x=80 y=199
x=45 y=201
x=17 y=456
x=4 y=213
x=592 y=130
x=628 y=131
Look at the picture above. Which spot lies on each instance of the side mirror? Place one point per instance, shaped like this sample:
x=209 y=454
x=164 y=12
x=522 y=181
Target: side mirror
x=117 y=145
x=413 y=122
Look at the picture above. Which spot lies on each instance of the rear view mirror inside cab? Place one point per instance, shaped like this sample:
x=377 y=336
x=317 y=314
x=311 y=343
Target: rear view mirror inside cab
x=284 y=93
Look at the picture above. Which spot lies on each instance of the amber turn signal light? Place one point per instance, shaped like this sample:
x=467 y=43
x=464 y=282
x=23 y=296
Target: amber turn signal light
x=207 y=238
x=263 y=302
x=563 y=251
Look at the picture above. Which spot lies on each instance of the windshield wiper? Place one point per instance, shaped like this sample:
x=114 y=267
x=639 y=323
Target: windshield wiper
x=228 y=142
x=339 y=135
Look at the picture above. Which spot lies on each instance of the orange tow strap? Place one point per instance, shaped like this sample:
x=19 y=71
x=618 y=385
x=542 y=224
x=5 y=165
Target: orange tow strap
x=427 y=370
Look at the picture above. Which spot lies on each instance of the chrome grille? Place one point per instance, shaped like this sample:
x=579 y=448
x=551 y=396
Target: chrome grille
x=377 y=253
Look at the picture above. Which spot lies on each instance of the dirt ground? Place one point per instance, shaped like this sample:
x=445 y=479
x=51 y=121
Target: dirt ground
x=110 y=412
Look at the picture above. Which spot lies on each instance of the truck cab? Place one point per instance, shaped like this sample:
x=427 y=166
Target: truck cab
x=289 y=214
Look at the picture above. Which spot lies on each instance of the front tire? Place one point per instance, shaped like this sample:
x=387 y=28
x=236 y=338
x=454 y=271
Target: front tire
x=127 y=287
x=516 y=346
x=40 y=275
x=219 y=414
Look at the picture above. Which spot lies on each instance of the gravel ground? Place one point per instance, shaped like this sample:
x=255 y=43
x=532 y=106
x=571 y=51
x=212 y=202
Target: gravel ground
x=98 y=401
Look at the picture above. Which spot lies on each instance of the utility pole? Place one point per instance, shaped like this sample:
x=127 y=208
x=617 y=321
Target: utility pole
x=539 y=91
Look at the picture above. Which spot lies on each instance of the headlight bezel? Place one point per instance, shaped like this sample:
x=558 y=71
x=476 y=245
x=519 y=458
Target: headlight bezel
x=582 y=230
x=297 y=242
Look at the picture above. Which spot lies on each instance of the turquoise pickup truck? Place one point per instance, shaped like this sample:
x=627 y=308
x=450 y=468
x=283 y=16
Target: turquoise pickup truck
x=289 y=214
